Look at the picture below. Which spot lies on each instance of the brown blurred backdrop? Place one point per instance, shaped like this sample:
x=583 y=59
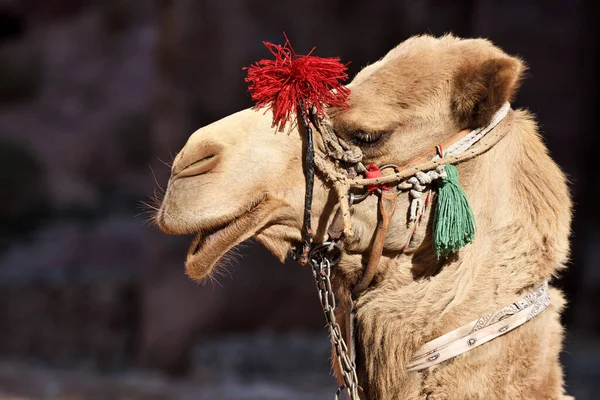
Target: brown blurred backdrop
x=97 y=96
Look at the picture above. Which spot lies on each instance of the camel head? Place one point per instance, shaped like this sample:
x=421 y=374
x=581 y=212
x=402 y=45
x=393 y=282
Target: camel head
x=239 y=178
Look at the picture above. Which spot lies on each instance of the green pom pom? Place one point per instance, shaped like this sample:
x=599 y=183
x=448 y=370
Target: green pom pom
x=453 y=222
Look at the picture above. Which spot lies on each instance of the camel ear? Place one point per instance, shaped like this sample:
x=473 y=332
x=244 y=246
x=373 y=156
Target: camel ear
x=481 y=89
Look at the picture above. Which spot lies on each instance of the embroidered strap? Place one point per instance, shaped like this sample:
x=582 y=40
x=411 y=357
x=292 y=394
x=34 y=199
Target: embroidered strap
x=480 y=331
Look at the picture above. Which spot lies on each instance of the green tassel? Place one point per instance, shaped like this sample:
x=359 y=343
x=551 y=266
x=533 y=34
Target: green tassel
x=453 y=222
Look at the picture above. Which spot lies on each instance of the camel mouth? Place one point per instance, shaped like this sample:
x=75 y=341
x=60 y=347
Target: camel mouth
x=212 y=243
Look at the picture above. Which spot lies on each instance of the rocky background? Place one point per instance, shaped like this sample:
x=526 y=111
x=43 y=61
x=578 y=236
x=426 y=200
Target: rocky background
x=96 y=97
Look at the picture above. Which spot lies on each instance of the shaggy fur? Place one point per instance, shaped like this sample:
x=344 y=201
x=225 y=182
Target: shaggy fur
x=424 y=91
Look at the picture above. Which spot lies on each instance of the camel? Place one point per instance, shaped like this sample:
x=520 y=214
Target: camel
x=239 y=178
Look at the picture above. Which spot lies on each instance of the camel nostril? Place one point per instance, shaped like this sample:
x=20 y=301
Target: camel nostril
x=196 y=159
x=202 y=160
x=198 y=167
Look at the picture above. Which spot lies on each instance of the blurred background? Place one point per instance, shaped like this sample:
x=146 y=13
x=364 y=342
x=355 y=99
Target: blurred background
x=96 y=98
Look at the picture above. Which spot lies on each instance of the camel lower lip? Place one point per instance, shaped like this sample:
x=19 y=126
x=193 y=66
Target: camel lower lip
x=209 y=246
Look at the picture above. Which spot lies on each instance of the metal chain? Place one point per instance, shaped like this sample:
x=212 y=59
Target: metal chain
x=321 y=268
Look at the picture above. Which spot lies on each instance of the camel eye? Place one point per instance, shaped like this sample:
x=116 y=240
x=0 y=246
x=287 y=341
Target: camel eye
x=367 y=139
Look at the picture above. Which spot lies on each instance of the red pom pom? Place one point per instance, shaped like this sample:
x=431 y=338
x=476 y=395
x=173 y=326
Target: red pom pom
x=282 y=83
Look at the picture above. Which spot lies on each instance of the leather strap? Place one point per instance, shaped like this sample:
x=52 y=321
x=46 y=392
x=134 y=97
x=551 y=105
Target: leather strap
x=387 y=206
x=425 y=157
x=348 y=310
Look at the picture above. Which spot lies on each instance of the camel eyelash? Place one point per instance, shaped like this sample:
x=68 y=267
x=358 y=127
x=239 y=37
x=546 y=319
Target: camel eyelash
x=367 y=139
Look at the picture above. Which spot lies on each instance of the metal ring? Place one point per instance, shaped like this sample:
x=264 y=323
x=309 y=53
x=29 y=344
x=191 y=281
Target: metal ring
x=357 y=198
x=325 y=250
x=386 y=166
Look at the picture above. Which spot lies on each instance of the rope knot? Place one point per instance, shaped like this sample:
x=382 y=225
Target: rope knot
x=451 y=177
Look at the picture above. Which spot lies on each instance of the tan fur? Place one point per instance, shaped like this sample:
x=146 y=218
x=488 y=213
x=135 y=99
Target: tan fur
x=422 y=92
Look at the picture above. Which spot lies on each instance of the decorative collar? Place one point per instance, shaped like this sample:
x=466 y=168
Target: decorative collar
x=481 y=330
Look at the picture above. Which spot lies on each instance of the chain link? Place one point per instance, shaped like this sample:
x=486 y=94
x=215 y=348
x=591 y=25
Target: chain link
x=321 y=268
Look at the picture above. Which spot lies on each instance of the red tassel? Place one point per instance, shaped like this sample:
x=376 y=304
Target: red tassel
x=282 y=83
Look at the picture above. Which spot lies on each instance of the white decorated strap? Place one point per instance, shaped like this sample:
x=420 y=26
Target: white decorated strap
x=476 y=135
x=481 y=331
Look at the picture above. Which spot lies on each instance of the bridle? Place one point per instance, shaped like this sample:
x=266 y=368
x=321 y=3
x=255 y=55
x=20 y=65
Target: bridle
x=340 y=163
